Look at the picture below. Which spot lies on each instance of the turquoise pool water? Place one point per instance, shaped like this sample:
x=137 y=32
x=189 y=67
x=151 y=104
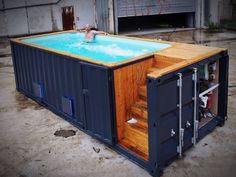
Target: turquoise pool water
x=103 y=48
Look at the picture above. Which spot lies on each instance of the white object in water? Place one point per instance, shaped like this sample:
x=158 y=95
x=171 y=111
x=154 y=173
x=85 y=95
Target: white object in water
x=132 y=121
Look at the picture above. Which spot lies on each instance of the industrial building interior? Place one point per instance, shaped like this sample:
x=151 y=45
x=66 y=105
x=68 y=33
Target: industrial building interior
x=37 y=142
x=154 y=22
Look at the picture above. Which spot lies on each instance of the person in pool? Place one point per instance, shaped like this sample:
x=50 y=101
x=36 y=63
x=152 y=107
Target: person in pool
x=90 y=33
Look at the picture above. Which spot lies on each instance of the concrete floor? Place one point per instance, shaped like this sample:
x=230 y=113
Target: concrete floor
x=29 y=148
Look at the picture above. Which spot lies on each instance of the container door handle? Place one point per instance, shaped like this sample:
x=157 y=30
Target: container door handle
x=195 y=121
x=181 y=130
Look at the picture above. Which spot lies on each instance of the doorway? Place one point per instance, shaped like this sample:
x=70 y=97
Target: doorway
x=68 y=18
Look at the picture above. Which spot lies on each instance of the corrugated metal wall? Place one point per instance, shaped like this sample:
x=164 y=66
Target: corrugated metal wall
x=128 y=8
x=77 y=91
x=102 y=15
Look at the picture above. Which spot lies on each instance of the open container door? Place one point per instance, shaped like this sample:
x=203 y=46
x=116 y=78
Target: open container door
x=171 y=112
x=174 y=110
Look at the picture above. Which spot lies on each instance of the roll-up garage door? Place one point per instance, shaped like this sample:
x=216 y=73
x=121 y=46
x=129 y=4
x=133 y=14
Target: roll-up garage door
x=130 y=8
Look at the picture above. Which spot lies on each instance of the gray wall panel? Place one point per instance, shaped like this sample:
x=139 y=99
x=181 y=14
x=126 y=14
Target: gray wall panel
x=40 y=19
x=127 y=8
x=16 y=21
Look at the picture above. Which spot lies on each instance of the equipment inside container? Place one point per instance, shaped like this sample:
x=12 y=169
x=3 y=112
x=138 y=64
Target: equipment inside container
x=208 y=92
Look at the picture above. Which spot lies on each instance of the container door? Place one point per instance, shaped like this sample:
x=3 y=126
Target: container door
x=62 y=86
x=96 y=91
x=187 y=110
x=170 y=110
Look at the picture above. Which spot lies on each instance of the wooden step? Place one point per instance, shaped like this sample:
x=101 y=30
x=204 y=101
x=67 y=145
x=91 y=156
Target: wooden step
x=137 y=137
x=141 y=124
x=160 y=64
x=139 y=112
x=142 y=103
x=150 y=70
x=142 y=92
x=128 y=144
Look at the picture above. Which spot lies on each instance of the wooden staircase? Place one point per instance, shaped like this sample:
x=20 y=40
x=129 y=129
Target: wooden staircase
x=133 y=104
x=136 y=134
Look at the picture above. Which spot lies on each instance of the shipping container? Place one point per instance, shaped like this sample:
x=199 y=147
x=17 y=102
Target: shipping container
x=148 y=100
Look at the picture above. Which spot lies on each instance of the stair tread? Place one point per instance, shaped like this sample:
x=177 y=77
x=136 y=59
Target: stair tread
x=139 y=130
x=140 y=124
x=137 y=136
x=139 y=112
x=127 y=143
x=143 y=92
x=150 y=70
x=141 y=103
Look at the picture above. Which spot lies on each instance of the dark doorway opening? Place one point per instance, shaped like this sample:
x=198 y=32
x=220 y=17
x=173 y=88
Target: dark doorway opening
x=68 y=18
x=152 y=22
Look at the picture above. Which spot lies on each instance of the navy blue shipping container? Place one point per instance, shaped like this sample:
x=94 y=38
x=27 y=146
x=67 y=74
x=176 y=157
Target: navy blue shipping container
x=149 y=109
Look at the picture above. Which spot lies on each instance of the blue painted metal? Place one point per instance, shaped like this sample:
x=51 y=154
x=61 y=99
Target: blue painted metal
x=163 y=113
x=38 y=90
x=163 y=99
x=67 y=105
x=97 y=101
x=75 y=90
x=223 y=88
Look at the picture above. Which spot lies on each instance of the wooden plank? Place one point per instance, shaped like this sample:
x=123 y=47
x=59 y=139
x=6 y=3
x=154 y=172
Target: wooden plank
x=133 y=148
x=139 y=137
x=158 y=57
x=120 y=103
x=139 y=112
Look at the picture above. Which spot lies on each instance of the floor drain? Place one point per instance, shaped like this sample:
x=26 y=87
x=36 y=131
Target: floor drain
x=65 y=133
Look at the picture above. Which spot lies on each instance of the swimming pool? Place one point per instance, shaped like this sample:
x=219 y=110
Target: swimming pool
x=103 y=48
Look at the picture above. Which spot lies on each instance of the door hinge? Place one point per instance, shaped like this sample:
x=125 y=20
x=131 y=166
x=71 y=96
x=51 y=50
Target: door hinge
x=181 y=136
x=179 y=83
x=194 y=139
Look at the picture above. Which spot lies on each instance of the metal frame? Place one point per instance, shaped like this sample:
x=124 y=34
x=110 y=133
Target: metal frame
x=195 y=98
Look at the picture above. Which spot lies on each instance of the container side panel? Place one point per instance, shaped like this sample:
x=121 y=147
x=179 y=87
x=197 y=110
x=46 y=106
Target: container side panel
x=163 y=119
x=96 y=90
x=223 y=89
x=48 y=78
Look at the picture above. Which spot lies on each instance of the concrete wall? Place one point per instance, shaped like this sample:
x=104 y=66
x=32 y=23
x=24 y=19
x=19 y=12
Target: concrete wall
x=16 y=22
x=30 y=20
x=212 y=11
x=220 y=10
x=3 y=28
x=86 y=13
x=40 y=19
x=14 y=3
x=199 y=13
